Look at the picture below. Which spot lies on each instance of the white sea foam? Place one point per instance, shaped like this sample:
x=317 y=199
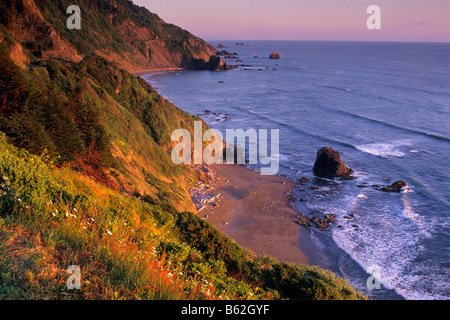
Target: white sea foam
x=385 y=149
x=409 y=213
x=361 y=196
x=277 y=156
x=388 y=237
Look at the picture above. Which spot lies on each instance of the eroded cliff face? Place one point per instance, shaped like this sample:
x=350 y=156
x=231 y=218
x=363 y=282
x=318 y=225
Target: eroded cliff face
x=117 y=30
x=29 y=28
x=18 y=56
x=151 y=51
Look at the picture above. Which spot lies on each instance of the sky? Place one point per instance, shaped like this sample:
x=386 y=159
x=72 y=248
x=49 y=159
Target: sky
x=401 y=20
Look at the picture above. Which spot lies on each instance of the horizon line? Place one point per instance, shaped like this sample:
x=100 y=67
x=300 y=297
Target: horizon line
x=329 y=40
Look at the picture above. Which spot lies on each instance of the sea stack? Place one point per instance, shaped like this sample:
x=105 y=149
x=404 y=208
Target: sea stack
x=275 y=55
x=329 y=164
x=395 y=187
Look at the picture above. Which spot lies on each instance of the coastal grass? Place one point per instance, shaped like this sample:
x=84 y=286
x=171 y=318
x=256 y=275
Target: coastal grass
x=127 y=247
x=115 y=239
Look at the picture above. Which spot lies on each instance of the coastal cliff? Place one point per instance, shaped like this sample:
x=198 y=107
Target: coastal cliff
x=118 y=30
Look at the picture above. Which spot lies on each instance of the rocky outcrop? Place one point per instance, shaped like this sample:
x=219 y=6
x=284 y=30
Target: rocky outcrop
x=33 y=31
x=227 y=55
x=275 y=55
x=395 y=187
x=329 y=164
x=222 y=53
x=18 y=56
x=214 y=63
x=320 y=222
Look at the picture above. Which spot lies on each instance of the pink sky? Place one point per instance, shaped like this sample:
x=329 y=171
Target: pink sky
x=401 y=20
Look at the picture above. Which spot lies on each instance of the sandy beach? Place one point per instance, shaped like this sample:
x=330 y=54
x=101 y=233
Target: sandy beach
x=255 y=211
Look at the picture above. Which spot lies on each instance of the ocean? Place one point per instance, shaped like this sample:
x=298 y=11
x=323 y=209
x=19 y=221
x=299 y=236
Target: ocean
x=386 y=108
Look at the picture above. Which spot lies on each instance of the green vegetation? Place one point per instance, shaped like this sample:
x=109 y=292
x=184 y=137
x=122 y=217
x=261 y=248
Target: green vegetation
x=80 y=113
x=41 y=111
x=87 y=40
x=127 y=248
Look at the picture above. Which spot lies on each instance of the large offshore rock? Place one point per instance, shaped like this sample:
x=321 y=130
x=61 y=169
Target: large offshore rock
x=329 y=164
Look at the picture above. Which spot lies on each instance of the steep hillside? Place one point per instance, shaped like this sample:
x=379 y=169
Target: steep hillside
x=128 y=248
x=79 y=114
x=118 y=30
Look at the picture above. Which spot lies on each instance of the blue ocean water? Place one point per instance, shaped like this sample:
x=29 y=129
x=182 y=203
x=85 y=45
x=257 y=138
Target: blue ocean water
x=386 y=108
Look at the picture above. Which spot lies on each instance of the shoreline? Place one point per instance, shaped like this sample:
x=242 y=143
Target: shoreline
x=150 y=71
x=255 y=211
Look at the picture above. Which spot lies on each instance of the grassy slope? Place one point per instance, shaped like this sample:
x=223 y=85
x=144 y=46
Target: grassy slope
x=127 y=248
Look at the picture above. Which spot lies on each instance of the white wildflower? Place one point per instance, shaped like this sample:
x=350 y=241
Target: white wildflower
x=68 y=214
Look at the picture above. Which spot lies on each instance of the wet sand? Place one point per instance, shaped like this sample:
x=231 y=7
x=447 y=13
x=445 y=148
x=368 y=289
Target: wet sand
x=256 y=212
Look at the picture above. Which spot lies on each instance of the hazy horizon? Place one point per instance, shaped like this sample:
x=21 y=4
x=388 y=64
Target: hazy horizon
x=330 y=40
x=321 y=20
